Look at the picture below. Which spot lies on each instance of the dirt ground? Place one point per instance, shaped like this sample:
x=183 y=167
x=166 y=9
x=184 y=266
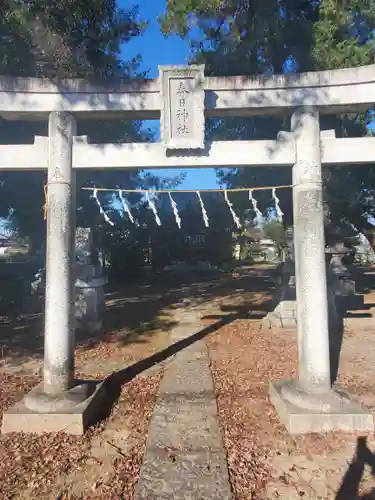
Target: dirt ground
x=264 y=461
x=105 y=463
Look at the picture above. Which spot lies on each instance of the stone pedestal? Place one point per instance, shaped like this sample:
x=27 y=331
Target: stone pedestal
x=340 y=289
x=89 y=283
x=311 y=404
x=72 y=411
x=285 y=313
x=89 y=297
x=333 y=411
x=59 y=403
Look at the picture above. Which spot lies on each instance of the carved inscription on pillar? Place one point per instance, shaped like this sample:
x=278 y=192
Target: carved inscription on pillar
x=182 y=107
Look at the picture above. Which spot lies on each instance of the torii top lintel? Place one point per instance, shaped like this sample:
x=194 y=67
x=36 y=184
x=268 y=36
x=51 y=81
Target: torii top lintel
x=349 y=89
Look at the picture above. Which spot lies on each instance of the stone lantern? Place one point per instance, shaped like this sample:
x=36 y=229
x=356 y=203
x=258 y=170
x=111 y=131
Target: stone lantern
x=339 y=253
x=89 y=283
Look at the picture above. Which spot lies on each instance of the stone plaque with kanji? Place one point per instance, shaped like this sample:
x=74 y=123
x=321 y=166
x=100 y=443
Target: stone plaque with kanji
x=182 y=106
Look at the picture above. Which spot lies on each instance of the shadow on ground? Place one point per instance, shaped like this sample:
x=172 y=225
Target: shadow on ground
x=135 y=312
x=349 y=489
x=350 y=307
x=116 y=380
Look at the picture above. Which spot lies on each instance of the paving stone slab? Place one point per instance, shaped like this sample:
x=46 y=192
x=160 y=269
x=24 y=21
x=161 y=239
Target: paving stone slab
x=184 y=476
x=195 y=351
x=184 y=331
x=190 y=377
x=185 y=424
x=185 y=457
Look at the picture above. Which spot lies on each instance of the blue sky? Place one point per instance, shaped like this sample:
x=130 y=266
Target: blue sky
x=158 y=50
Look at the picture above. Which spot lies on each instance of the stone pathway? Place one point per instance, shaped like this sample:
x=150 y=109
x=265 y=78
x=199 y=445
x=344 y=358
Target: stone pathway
x=185 y=457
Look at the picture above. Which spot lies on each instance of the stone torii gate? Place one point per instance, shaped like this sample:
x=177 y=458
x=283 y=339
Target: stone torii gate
x=182 y=97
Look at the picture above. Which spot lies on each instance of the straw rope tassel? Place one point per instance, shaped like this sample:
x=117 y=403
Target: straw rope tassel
x=152 y=207
x=126 y=207
x=204 y=213
x=236 y=220
x=175 y=211
x=254 y=203
x=45 y=206
x=105 y=216
x=279 y=213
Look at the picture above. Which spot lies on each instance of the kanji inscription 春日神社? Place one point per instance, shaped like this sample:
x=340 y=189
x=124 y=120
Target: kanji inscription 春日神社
x=182 y=113
x=182 y=109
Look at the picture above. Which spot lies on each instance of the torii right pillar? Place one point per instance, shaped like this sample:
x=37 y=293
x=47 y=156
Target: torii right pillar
x=311 y=404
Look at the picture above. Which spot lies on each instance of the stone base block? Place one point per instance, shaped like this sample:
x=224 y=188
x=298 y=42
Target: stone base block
x=355 y=322
x=351 y=417
x=89 y=326
x=276 y=320
x=19 y=418
x=352 y=302
x=284 y=315
x=347 y=287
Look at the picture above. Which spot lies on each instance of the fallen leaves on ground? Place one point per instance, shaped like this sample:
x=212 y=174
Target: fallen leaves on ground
x=31 y=465
x=243 y=362
x=133 y=413
x=28 y=460
x=244 y=359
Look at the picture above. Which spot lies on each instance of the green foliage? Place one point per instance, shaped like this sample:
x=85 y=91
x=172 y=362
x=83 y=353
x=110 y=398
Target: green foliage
x=178 y=18
x=130 y=248
x=56 y=40
x=274 y=36
x=275 y=231
x=67 y=38
x=343 y=34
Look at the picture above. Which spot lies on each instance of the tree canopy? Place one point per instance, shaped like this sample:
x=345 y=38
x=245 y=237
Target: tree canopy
x=249 y=37
x=231 y=37
x=67 y=39
x=57 y=40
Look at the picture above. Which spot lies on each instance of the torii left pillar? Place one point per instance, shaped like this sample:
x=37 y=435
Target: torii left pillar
x=59 y=403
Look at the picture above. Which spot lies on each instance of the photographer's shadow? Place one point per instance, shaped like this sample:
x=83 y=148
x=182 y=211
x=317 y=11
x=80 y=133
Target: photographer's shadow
x=349 y=489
